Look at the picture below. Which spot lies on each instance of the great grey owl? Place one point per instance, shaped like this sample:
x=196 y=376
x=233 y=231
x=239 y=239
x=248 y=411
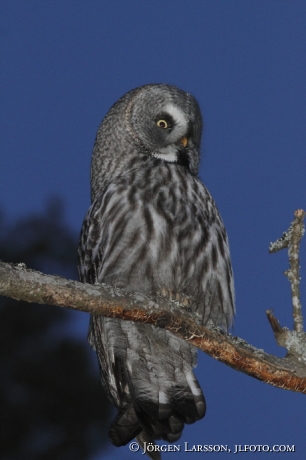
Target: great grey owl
x=153 y=228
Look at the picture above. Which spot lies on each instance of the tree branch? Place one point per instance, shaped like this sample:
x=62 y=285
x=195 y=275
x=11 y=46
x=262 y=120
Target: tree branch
x=291 y=239
x=20 y=283
x=294 y=341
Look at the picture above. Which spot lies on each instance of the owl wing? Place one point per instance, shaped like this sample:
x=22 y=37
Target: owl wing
x=146 y=371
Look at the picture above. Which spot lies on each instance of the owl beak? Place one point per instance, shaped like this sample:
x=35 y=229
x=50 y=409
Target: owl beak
x=184 y=141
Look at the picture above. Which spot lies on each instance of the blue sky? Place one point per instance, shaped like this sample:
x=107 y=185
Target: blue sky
x=64 y=63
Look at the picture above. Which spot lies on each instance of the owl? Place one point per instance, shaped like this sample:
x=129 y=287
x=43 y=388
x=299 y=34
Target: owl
x=153 y=228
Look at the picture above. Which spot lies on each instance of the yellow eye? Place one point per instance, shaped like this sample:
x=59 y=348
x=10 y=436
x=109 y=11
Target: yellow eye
x=162 y=124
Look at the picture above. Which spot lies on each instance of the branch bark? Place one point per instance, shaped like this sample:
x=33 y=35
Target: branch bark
x=20 y=283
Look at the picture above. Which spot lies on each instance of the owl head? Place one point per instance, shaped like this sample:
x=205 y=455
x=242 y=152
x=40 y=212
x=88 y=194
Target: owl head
x=152 y=122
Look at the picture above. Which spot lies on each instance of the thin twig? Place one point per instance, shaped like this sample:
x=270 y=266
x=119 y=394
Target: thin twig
x=274 y=323
x=291 y=239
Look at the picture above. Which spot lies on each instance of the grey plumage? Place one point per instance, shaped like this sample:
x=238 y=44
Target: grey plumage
x=153 y=227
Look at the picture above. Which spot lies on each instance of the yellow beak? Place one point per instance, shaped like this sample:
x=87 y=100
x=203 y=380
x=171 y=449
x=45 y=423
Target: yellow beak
x=184 y=141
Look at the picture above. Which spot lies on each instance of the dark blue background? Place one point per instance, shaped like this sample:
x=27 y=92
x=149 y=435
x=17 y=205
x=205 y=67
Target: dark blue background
x=64 y=63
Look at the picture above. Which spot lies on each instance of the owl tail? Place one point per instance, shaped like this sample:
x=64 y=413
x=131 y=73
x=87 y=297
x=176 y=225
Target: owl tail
x=144 y=440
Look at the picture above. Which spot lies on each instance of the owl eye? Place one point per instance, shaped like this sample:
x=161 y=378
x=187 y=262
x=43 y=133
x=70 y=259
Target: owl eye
x=162 y=124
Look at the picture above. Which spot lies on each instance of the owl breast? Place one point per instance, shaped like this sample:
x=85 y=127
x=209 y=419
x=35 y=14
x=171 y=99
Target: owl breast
x=159 y=229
